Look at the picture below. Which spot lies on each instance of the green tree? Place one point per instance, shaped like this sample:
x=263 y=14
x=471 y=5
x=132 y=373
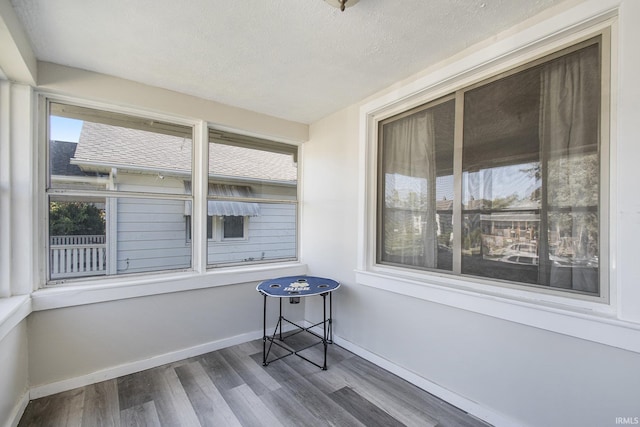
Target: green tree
x=75 y=218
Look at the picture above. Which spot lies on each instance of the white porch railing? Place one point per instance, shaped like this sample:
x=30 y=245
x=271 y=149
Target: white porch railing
x=76 y=256
x=77 y=240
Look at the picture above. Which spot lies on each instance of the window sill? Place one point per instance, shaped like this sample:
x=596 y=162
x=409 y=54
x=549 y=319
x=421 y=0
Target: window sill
x=591 y=325
x=13 y=310
x=117 y=288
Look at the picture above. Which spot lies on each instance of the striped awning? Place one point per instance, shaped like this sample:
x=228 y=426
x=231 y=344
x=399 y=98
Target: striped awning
x=225 y=207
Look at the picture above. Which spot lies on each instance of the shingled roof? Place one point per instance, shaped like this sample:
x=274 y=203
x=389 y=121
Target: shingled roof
x=125 y=148
x=60 y=155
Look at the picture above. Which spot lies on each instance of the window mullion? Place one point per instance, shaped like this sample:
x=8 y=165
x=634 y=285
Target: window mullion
x=199 y=191
x=457 y=183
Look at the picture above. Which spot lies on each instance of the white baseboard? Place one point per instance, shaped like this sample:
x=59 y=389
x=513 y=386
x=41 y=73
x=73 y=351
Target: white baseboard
x=18 y=411
x=140 y=365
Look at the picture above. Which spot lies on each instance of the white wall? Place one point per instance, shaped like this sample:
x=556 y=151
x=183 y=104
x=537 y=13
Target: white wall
x=14 y=385
x=508 y=372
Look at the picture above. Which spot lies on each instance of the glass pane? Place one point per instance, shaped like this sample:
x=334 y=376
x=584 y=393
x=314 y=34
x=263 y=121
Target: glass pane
x=253 y=173
x=144 y=235
x=271 y=237
x=244 y=182
x=531 y=175
x=416 y=189
x=233 y=227
x=98 y=150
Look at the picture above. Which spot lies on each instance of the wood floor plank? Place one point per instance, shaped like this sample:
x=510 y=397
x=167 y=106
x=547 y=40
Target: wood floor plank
x=330 y=380
x=284 y=404
x=101 y=407
x=62 y=409
x=366 y=412
x=252 y=373
x=250 y=410
x=170 y=399
x=135 y=389
x=220 y=371
x=211 y=408
x=319 y=404
x=389 y=402
x=144 y=415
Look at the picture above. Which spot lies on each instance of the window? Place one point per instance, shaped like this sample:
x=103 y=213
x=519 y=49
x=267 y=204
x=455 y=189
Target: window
x=233 y=227
x=501 y=180
x=252 y=196
x=115 y=193
x=209 y=227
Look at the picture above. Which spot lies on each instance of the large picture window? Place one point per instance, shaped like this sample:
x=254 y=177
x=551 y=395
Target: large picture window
x=523 y=205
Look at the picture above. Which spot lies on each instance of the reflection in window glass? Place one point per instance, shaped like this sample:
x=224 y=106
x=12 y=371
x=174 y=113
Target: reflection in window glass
x=531 y=175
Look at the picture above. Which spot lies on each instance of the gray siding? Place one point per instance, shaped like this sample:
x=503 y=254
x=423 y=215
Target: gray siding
x=272 y=235
x=151 y=235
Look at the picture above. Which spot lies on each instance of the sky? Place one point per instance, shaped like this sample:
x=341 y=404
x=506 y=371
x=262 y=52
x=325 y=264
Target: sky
x=63 y=129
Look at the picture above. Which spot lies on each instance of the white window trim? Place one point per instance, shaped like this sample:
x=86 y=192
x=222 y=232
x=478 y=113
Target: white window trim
x=573 y=315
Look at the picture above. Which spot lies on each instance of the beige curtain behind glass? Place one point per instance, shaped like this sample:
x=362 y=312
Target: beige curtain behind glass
x=569 y=140
x=409 y=150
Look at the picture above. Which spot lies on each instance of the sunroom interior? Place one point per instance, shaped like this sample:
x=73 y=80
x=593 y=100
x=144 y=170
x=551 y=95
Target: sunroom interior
x=493 y=266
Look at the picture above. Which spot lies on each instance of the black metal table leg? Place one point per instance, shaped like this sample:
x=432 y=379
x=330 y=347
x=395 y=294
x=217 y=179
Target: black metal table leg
x=264 y=332
x=280 y=318
x=324 y=329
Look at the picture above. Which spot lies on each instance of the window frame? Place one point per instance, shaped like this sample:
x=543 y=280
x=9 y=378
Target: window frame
x=430 y=90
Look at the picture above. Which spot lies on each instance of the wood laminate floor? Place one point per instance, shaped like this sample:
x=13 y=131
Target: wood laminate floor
x=230 y=387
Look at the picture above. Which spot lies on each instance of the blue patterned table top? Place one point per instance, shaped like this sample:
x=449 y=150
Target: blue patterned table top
x=297 y=286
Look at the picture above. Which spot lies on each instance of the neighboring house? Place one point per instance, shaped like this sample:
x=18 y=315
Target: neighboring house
x=148 y=233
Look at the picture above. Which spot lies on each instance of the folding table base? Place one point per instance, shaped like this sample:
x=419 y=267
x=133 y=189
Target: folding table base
x=279 y=340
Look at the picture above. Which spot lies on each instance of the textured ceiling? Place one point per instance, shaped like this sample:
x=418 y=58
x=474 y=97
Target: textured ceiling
x=295 y=59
